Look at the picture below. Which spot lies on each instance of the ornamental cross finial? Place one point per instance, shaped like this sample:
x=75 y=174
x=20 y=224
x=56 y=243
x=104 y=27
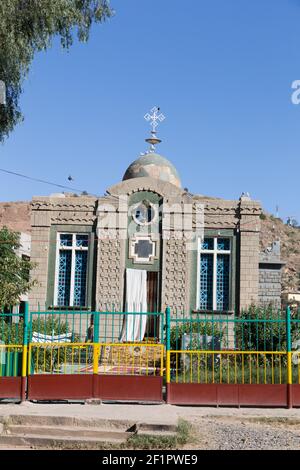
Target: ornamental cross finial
x=155 y=117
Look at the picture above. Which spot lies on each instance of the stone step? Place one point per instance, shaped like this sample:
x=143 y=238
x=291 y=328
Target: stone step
x=67 y=431
x=156 y=427
x=90 y=423
x=14 y=447
x=57 y=421
x=57 y=441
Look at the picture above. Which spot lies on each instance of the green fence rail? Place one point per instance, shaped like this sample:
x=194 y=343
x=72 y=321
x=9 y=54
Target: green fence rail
x=11 y=344
x=250 y=348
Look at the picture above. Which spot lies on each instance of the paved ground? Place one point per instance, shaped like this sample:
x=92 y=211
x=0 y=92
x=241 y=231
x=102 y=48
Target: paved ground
x=136 y=412
x=213 y=428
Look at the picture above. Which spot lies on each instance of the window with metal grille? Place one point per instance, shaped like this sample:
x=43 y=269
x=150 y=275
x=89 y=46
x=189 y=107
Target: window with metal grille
x=71 y=270
x=214 y=274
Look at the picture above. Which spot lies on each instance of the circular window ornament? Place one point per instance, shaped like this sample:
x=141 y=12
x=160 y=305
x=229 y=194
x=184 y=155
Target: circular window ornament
x=144 y=213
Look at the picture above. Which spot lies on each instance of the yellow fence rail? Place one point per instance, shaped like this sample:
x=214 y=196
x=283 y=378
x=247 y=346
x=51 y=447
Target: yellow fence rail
x=228 y=367
x=103 y=358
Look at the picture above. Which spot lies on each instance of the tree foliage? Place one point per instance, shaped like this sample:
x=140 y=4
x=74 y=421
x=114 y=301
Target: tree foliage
x=29 y=26
x=14 y=271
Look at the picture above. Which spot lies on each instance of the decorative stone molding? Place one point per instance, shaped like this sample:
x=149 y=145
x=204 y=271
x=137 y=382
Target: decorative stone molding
x=220 y=222
x=75 y=204
x=174 y=282
x=78 y=218
x=109 y=275
x=145 y=184
x=150 y=248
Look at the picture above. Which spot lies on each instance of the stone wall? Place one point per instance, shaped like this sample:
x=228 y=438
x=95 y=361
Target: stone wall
x=270 y=268
x=39 y=255
x=270 y=286
x=249 y=252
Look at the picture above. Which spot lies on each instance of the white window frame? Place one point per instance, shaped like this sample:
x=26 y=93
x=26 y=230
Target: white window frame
x=72 y=248
x=215 y=252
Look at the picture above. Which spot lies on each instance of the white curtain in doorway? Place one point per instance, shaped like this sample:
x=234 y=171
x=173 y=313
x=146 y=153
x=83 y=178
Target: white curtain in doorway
x=134 y=326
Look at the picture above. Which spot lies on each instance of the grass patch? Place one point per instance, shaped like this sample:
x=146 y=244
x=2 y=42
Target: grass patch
x=182 y=437
x=230 y=375
x=275 y=420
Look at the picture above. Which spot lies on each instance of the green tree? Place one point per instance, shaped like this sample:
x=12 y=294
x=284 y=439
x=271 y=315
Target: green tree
x=28 y=26
x=14 y=271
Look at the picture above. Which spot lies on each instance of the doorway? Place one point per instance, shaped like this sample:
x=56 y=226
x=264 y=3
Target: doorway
x=149 y=291
x=153 y=303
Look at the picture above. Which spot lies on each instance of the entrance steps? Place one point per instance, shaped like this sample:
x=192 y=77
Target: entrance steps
x=46 y=432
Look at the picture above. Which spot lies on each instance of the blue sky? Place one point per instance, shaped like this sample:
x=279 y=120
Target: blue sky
x=221 y=71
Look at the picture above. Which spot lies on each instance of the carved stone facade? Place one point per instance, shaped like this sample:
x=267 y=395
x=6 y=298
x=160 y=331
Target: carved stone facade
x=110 y=282
x=106 y=221
x=57 y=211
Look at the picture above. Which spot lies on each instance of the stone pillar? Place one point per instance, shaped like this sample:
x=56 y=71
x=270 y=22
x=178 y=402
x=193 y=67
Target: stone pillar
x=249 y=252
x=177 y=222
x=40 y=237
x=112 y=238
x=174 y=276
x=110 y=275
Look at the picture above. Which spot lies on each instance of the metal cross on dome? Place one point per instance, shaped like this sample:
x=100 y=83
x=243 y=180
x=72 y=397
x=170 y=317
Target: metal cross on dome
x=155 y=117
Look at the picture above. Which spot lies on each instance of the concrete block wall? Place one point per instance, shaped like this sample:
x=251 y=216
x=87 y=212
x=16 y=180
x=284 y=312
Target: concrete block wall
x=249 y=252
x=270 y=287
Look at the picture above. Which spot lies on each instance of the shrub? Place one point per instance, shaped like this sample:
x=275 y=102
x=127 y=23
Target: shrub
x=266 y=330
x=42 y=357
x=195 y=330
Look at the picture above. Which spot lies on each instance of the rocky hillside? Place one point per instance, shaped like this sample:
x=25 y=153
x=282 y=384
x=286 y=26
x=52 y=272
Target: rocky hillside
x=16 y=215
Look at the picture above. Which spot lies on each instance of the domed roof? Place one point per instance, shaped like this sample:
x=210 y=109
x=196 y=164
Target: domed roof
x=154 y=166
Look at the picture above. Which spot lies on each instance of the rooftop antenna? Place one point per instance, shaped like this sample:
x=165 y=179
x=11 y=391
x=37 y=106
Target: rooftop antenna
x=154 y=117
